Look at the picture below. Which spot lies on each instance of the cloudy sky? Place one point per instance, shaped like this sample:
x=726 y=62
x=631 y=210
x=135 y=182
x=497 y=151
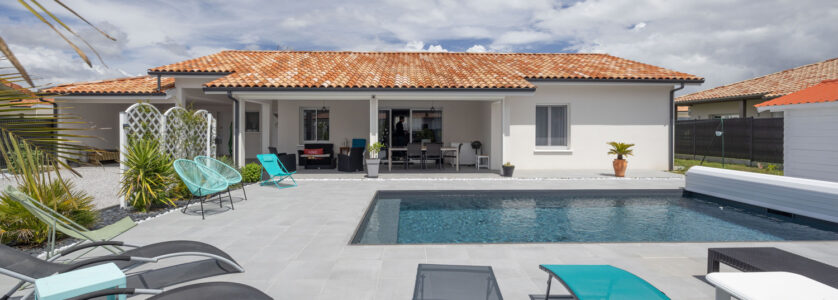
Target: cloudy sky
x=721 y=40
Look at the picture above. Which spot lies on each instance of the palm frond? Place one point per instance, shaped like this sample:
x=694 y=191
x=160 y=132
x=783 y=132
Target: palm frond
x=57 y=20
x=85 y=20
x=8 y=55
x=40 y=17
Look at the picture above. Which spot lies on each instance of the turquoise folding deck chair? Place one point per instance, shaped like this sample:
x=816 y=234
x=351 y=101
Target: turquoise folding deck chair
x=231 y=174
x=60 y=223
x=201 y=181
x=601 y=282
x=276 y=170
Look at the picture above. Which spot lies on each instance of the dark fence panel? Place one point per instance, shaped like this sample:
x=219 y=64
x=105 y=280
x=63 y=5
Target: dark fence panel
x=744 y=138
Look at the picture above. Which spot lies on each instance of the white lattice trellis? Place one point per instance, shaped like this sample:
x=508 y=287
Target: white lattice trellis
x=142 y=121
x=181 y=135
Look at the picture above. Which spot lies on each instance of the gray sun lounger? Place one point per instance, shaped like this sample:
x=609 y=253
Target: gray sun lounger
x=456 y=282
x=27 y=268
x=203 y=291
x=767 y=259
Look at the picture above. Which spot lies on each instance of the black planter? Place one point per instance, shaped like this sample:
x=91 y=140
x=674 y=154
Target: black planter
x=507 y=171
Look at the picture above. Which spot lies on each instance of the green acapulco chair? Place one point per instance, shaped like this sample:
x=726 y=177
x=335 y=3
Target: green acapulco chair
x=201 y=181
x=231 y=174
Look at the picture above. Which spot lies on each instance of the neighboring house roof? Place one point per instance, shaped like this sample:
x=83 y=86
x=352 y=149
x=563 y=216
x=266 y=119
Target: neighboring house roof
x=142 y=85
x=11 y=89
x=826 y=91
x=410 y=70
x=768 y=86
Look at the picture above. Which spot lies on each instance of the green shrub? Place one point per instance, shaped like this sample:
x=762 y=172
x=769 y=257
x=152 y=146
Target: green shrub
x=19 y=227
x=148 y=175
x=251 y=172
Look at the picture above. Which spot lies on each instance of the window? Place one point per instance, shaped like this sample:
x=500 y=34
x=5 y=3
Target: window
x=551 y=126
x=251 y=121
x=426 y=126
x=315 y=124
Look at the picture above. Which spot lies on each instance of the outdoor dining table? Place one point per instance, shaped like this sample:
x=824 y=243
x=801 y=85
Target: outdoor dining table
x=424 y=148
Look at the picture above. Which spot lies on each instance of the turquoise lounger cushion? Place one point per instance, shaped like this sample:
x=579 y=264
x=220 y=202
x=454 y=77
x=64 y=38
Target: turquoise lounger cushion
x=603 y=282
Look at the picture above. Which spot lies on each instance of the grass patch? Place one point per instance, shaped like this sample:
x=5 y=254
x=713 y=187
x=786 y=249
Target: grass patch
x=688 y=163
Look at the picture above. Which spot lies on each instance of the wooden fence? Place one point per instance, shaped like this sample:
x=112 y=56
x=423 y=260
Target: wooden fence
x=743 y=138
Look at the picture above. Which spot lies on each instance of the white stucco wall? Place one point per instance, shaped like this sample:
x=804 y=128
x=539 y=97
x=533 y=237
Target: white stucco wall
x=598 y=114
x=811 y=142
x=102 y=120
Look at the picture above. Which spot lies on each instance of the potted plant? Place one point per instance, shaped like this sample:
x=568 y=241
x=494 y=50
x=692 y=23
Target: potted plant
x=508 y=168
x=620 y=164
x=373 y=162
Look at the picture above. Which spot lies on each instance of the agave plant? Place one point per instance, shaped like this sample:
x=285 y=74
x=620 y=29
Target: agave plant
x=620 y=149
x=148 y=175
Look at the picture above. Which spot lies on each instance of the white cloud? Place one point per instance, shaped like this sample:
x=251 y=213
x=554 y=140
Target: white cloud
x=419 y=46
x=723 y=41
x=477 y=49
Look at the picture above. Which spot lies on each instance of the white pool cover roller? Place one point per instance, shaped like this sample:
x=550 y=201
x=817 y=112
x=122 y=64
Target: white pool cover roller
x=805 y=197
x=768 y=286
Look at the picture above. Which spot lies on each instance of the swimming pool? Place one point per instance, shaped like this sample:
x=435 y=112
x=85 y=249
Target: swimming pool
x=444 y=217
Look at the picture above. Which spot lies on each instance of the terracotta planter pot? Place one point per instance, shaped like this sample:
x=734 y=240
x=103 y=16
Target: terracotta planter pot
x=620 y=167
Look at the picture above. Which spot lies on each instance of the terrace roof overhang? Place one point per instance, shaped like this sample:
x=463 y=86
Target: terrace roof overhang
x=300 y=93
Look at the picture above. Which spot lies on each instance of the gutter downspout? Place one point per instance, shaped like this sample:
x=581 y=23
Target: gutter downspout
x=236 y=127
x=672 y=125
x=159 y=88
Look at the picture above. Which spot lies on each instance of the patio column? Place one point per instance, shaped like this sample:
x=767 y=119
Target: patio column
x=265 y=126
x=240 y=153
x=373 y=119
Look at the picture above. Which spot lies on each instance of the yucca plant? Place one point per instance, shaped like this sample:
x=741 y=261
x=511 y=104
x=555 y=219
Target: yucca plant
x=620 y=149
x=148 y=175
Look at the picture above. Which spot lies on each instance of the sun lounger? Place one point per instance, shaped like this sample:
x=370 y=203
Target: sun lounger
x=231 y=174
x=769 y=285
x=27 y=268
x=58 y=222
x=601 y=282
x=456 y=282
x=201 y=181
x=767 y=259
x=275 y=169
x=203 y=291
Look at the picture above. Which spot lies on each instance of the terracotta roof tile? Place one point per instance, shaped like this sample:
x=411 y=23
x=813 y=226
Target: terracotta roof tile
x=324 y=69
x=11 y=89
x=142 y=85
x=771 y=85
x=826 y=91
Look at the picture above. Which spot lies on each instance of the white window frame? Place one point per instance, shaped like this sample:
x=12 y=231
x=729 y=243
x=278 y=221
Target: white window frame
x=303 y=125
x=549 y=147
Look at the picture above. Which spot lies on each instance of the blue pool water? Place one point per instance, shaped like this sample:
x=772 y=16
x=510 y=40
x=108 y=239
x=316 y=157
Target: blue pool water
x=572 y=216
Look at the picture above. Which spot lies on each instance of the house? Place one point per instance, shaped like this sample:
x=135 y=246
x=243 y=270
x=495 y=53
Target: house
x=810 y=130
x=737 y=100
x=538 y=111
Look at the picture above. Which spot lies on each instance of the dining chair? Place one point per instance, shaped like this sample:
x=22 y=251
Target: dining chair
x=433 y=153
x=414 y=150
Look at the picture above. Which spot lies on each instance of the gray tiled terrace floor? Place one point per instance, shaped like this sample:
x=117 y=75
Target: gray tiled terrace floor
x=294 y=243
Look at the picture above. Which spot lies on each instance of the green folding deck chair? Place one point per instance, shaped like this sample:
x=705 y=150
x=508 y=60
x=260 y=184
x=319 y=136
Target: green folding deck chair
x=58 y=222
x=201 y=181
x=231 y=174
x=276 y=170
